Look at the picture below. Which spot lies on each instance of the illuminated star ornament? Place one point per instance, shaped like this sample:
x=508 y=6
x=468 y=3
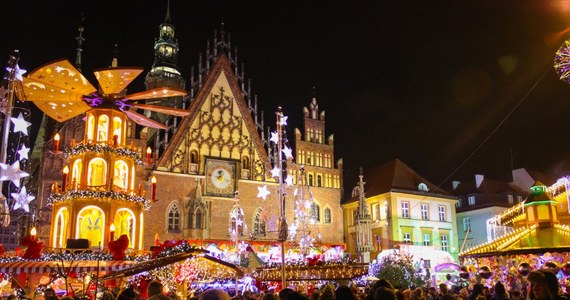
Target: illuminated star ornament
x=263 y=192
x=22 y=199
x=283 y=120
x=289 y=180
x=274 y=137
x=288 y=152
x=275 y=172
x=12 y=172
x=23 y=152
x=20 y=124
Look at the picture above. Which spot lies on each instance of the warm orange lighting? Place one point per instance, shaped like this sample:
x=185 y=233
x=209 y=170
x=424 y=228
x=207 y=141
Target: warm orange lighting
x=56 y=139
x=148 y=154
x=112 y=231
x=64 y=178
x=33 y=232
x=66 y=170
x=156 y=240
x=153 y=188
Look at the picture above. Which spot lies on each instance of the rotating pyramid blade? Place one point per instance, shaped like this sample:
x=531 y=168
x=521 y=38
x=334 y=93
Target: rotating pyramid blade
x=115 y=80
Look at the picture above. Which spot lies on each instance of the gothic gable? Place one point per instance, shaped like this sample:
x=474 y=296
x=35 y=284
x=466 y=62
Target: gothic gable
x=219 y=125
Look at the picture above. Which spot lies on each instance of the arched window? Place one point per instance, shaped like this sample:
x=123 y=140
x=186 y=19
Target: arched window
x=190 y=219
x=173 y=218
x=319 y=181
x=118 y=129
x=90 y=225
x=258 y=223
x=198 y=219
x=121 y=174
x=125 y=223
x=103 y=129
x=60 y=230
x=97 y=172
x=328 y=218
x=316 y=212
x=310 y=179
x=90 y=127
x=193 y=156
x=245 y=162
x=76 y=171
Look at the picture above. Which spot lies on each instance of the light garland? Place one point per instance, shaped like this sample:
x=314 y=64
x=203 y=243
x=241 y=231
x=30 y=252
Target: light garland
x=105 y=149
x=68 y=195
x=326 y=271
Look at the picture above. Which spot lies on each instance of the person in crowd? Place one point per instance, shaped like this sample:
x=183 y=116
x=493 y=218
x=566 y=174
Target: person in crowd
x=284 y=292
x=345 y=292
x=154 y=291
x=384 y=293
x=214 y=294
x=327 y=293
x=378 y=284
x=128 y=294
x=432 y=293
x=499 y=292
x=269 y=296
x=294 y=295
x=417 y=294
x=543 y=285
x=477 y=290
x=486 y=292
x=444 y=293
x=515 y=295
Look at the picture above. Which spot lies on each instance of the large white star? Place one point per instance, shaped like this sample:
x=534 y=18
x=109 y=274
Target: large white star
x=276 y=172
x=283 y=120
x=20 y=124
x=23 y=152
x=274 y=137
x=22 y=199
x=19 y=72
x=262 y=192
x=12 y=172
x=288 y=152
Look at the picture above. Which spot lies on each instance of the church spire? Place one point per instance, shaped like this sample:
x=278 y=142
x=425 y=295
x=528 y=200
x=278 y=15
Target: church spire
x=363 y=224
x=80 y=39
x=165 y=71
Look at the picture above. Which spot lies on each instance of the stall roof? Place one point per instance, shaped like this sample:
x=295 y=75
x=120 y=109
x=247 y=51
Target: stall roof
x=70 y=266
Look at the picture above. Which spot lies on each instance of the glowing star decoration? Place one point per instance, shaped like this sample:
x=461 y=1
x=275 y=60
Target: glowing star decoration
x=288 y=152
x=12 y=172
x=20 y=124
x=275 y=172
x=18 y=73
x=22 y=199
x=289 y=180
x=274 y=137
x=263 y=192
x=23 y=152
x=283 y=120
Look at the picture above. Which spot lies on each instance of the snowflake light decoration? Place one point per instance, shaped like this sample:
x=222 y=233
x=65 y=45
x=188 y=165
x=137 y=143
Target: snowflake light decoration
x=562 y=62
x=22 y=199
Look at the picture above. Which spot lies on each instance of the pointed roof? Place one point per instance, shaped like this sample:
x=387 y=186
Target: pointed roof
x=490 y=193
x=167 y=17
x=222 y=64
x=538 y=194
x=528 y=240
x=396 y=176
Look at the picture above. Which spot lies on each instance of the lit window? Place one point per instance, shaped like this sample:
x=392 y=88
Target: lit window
x=328 y=218
x=407 y=238
x=424 y=208
x=405 y=209
x=427 y=239
x=444 y=246
x=375 y=211
x=316 y=211
x=441 y=210
x=466 y=223
x=173 y=218
x=97 y=172
x=471 y=200
x=121 y=174
x=510 y=199
x=258 y=223
x=102 y=129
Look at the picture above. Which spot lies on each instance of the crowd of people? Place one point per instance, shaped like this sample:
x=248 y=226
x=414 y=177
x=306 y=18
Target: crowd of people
x=542 y=285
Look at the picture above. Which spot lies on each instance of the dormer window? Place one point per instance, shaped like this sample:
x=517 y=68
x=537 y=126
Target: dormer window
x=423 y=187
x=471 y=200
x=510 y=199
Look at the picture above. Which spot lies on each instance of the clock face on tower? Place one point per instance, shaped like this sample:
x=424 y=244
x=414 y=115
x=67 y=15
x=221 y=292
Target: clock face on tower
x=220 y=177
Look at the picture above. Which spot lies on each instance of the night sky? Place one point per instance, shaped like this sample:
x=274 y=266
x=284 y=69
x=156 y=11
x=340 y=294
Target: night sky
x=424 y=81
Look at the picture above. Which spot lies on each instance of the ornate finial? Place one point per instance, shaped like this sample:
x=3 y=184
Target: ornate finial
x=80 y=39
x=361 y=171
x=115 y=61
x=314 y=92
x=167 y=17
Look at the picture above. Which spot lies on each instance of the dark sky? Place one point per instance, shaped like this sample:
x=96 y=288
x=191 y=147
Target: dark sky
x=423 y=81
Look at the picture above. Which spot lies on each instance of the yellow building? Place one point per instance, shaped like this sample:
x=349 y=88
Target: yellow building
x=406 y=209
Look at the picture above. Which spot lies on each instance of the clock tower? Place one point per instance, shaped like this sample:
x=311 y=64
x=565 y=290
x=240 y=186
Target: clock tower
x=164 y=71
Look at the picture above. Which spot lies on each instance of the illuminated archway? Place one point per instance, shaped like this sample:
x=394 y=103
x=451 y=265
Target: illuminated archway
x=118 y=129
x=121 y=174
x=103 y=128
x=125 y=223
x=90 y=127
x=76 y=171
x=97 y=172
x=90 y=225
x=60 y=228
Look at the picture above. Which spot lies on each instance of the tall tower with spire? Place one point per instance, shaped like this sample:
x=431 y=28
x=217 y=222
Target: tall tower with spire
x=164 y=71
x=363 y=224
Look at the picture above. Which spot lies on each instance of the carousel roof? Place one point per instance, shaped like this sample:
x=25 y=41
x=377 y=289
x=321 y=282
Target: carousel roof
x=526 y=240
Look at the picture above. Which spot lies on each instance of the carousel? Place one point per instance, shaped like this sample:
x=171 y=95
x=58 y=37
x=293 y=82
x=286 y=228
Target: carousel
x=97 y=228
x=535 y=239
